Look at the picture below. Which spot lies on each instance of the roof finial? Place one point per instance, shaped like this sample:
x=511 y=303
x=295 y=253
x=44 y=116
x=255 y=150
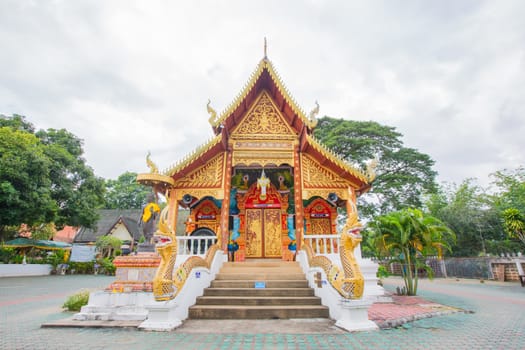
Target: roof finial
x=265 y=47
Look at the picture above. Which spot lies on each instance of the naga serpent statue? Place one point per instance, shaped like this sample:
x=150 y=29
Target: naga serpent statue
x=167 y=284
x=349 y=283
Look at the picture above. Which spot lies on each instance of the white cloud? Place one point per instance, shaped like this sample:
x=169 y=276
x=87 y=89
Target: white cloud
x=128 y=77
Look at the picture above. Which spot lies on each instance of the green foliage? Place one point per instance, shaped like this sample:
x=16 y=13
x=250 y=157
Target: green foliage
x=514 y=223
x=107 y=245
x=107 y=266
x=507 y=246
x=382 y=272
x=125 y=192
x=43 y=231
x=409 y=236
x=510 y=189
x=7 y=255
x=468 y=211
x=403 y=174
x=84 y=268
x=76 y=301
x=25 y=185
x=56 y=258
x=43 y=177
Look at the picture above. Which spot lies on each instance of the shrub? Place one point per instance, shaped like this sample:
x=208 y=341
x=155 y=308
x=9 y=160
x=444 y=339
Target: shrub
x=6 y=254
x=76 y=301
x=382 y=272
x=55 y=258
x=107 y=266
x=81 y=267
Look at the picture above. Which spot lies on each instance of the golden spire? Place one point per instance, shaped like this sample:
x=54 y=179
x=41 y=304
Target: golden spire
x=152 y=166
x=213 y=114
x=312 y=120
x=265 y=48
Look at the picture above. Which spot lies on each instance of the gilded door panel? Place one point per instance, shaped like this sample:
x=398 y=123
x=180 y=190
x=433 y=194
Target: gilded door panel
x=254 y=227
x=272 y=233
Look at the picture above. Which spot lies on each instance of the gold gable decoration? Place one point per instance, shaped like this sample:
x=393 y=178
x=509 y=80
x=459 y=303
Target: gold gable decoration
x=316 y=176
x=262 y=120
x=329 y=154
x=207 y=176
x=264 y=64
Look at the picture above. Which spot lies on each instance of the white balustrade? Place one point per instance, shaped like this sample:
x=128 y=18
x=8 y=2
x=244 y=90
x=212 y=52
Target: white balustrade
x=323 y=244
x=194 y=245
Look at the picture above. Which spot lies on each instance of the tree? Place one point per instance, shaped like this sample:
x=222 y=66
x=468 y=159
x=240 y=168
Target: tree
x=43 y=177
x=107 y=245
x=468 y=211
x=125 y=192
x=510 y=189
x=403 y=174
x=410 y=236
x=75 y=188
x=25 y=185
x=514 y=223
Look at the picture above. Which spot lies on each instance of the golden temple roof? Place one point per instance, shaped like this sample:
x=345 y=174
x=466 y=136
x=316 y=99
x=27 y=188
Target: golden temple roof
x=196 y=153
x=264 y=64
x=338 y=160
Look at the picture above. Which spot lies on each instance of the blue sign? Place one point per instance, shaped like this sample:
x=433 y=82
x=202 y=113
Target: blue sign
x=260 y=284
x=197 y=274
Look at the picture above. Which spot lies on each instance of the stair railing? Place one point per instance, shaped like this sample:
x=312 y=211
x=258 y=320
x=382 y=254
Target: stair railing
x=323 y=244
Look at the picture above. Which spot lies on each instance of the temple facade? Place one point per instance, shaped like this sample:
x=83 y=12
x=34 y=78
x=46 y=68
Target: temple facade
x=262 y=182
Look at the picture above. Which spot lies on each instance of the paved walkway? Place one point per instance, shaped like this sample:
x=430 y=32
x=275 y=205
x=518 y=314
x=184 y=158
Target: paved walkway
x=497 y=322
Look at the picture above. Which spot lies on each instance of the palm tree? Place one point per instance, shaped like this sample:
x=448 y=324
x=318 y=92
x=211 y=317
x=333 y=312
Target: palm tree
x=514 y=223
x=410 y=236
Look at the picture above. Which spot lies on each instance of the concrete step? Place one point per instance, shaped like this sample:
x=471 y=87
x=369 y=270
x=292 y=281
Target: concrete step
x=261 y=263
x=276 y=292
x=251 y=284
x=260 y=276
x=257 y=312
x=286 y=269
x=260 y=301
x=232 y=295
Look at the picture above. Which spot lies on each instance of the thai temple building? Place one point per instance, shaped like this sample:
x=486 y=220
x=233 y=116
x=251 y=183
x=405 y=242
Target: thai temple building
x=262 y=182
x=263 y=195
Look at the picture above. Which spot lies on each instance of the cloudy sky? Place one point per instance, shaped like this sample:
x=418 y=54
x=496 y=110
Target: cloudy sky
x=132 y=76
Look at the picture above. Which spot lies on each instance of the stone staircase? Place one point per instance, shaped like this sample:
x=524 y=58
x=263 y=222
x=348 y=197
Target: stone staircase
x=233 y=293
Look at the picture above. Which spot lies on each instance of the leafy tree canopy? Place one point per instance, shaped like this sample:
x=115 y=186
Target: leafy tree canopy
x=403 y=174
x=125 y=192
x=510 y=189
x=43 y=177
x=467 y=209
x=514 y=223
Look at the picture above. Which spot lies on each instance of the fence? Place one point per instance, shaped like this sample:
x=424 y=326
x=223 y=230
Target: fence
x=323 y=244
x=194 y=245
x=504 y=268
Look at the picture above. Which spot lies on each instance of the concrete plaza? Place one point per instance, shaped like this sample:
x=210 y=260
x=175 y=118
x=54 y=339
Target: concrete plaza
x=495 y=319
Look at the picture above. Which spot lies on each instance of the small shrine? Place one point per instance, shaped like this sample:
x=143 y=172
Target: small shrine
x=262 y=182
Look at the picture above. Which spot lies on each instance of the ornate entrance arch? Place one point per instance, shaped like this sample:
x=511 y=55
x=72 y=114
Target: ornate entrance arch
x=263 y=220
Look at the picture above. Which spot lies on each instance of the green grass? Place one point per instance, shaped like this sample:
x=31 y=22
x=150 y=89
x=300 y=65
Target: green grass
x=76 y=301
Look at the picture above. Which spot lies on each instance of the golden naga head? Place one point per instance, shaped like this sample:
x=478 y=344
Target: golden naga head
x=164 y=235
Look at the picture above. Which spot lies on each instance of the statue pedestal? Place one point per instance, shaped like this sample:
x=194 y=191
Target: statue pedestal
x=126 y=298
x=135 y=273
x=354 y=315
x=161 y=317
